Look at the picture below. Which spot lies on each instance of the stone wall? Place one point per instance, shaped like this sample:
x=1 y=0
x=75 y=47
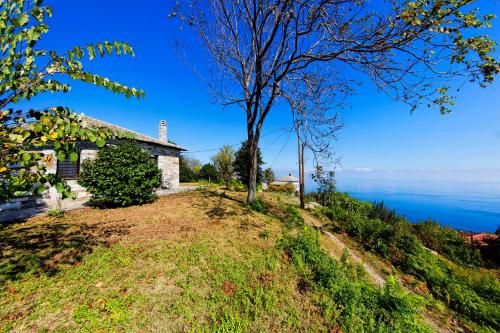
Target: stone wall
x=168 y=162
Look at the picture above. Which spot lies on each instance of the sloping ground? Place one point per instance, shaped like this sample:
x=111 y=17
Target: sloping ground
x=375 y=269
x=192 y=261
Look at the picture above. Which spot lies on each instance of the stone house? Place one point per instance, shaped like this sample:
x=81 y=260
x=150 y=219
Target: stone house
x=288 y=180
x=166 y=154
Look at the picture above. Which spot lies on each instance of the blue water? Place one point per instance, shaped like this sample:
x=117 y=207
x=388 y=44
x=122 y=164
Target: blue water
x=469 y=206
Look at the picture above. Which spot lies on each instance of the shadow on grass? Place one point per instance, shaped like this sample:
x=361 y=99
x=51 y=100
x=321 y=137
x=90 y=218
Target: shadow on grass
x=217 y=206
x=51 y=246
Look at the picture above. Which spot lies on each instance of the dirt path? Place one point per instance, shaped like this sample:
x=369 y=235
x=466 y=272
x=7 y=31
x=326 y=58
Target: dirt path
x=337 y=246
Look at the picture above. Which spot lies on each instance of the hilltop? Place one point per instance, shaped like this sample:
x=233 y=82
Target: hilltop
x=199 y=261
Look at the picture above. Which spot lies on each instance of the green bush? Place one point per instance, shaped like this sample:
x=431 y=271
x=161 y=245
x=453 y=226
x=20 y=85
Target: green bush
x=380 y=230
x=208 y=172
x=448 y=242
x=286 y=188
x=121 y=175
x=353 y=305
x=259 y=205
x=186 y=175
x=236 y=185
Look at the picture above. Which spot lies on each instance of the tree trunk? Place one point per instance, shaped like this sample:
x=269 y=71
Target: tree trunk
x=300 y=152
x=302 y=175
x=252 y=183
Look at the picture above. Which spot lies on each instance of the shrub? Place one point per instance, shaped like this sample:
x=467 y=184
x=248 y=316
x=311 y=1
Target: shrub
x=186 y=175
x=292 y=217
x=236 y=185
x=447 y=242
x=380 y=230
x=286 y=188
x=55 y=213
x=121 y=175
x=382 y=212
x=354 y=305
x=208 y=172
x=259 y=205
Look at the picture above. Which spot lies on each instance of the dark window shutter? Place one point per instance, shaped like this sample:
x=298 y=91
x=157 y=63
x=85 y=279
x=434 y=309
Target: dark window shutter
x=67 y=169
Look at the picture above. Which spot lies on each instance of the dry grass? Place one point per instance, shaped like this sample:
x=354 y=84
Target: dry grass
x=192 y=261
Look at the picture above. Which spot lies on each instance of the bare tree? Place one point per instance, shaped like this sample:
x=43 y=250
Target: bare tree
x=410 y=50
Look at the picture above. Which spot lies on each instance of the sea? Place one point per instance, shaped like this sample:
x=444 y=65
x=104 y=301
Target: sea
x=463 y=205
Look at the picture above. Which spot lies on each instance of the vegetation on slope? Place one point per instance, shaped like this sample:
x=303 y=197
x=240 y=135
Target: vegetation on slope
x=200 y=261
x=474 y=294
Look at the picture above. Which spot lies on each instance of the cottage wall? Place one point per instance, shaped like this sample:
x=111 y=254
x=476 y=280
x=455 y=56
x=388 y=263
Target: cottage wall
x=167 y=159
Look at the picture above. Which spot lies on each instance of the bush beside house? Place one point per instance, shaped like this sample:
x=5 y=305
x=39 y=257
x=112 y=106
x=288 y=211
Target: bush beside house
x=121 y=175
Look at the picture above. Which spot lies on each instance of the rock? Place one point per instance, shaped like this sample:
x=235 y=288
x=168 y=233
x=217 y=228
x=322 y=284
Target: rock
x=312 y=205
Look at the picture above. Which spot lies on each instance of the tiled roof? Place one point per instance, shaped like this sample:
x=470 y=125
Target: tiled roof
x=136 y=136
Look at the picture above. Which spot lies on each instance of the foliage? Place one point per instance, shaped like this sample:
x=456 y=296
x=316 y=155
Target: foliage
x=242 y=164
x=297 y=53
x=192 y=163
x=353 y=305
x=292 y=217
x=269 y=176
x=186 y=173
x=264 y=234
x=326 y=184
x=394 y=238
x=208 y=172
x=223 y=162
x=259 y=205
x=448 y=242
x=236 y=185
x=27 y=71
x=286 y=188
x=55 y=213
x=24 y=134
x=121 y=175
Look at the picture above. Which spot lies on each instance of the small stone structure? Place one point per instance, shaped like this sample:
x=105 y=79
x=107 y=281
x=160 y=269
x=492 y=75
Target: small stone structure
x=164 y=153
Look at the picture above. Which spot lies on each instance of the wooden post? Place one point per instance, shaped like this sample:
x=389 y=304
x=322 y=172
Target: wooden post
x=300 y=149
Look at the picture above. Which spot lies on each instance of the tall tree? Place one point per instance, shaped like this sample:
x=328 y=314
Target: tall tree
x=414 y=51
x=26 y=71
x=269 y=176
x=186 y=173
x=208 y=172
x=223 y=162
x=242 y=167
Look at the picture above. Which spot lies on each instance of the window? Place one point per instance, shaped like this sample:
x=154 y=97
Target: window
x=67 y=169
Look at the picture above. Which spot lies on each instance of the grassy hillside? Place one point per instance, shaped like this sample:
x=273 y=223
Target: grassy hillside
x=432 y=260
x=194 y=262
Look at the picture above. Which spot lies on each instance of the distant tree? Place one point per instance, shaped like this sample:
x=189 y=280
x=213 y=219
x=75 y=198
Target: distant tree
x=193 y=164
x=327 y=184
x=121 y=175
x=242 y=167
x=27 y=71
x=186 y=174
x=269 y=176
x=418 y=52
x=208 y=172
x=223 y=163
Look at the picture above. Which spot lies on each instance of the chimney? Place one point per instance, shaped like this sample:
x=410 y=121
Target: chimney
x=163 y=131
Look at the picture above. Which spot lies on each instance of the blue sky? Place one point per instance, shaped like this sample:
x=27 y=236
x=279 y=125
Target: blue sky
x=379 y=134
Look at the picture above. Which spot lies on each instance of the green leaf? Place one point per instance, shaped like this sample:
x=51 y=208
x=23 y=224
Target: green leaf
x=26 y=157
x=73 y=157
x=91 y=51
x=100 y=142
x=61 y=156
